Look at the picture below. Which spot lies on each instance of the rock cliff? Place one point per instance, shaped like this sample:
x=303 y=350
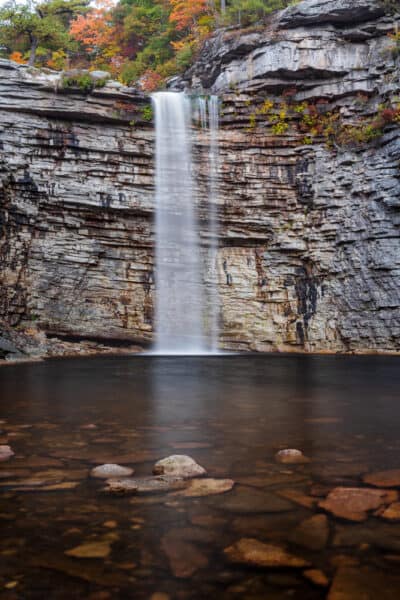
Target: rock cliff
x=309 y=255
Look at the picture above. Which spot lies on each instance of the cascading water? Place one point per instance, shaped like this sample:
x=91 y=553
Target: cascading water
x=208 y=108
x=186 y=312
x=179 y=290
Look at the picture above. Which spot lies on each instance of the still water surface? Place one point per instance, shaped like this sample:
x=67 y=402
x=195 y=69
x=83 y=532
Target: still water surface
x=231 y=414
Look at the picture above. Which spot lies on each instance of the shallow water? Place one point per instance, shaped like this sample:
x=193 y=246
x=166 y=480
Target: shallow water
x=231 y=414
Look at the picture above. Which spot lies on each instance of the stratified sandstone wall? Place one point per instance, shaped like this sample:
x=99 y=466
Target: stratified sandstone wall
x=309 y=257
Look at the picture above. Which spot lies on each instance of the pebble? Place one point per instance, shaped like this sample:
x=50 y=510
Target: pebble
x=179 y=465
x=109 y=471
x=291 y=456
x=5 y=453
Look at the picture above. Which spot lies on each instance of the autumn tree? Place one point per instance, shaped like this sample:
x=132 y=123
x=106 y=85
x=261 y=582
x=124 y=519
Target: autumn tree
x=97 y=33
x=25 y=27
x=185 y=13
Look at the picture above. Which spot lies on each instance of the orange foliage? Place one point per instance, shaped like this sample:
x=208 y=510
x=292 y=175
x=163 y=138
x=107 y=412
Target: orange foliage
x=18 y=58
x=186 y=12
x=95 y=29
x=151 y=81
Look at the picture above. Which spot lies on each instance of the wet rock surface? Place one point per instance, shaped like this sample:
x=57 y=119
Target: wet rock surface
x=208 y=487
x=312 y=533
x=291 y=456
x=354 y=503
x=363 y=584
x=178 y=465
x=5 y=453
x=109 y=471
x=144 y=485
x=255 y=553
x=384 y=479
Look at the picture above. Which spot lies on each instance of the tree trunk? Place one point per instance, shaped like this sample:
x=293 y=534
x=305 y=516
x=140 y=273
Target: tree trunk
x=223 y=6
x=32 y=55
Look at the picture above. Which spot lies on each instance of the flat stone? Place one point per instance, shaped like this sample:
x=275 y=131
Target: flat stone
x=184 y=557
x=298 y=497
x=5 y=453
x=316 y=577
x=99 y=549
x=179 y=465
x=364 y=583
x=392 y=513
x=108 y=471
x=291 y=456
x=353 y=503
x=144 y=485
x=252 y=552
x=383 y=479
x=208 y=487
x=312 y=533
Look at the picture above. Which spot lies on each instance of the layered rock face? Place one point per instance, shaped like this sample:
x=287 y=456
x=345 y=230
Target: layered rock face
x=309 y=255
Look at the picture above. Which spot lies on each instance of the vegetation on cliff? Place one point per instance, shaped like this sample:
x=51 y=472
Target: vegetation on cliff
x=135 y=40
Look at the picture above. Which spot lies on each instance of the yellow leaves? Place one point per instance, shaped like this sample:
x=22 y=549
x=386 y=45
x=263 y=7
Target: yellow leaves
x=178 y=45
x=267 y=106
x=58 y=60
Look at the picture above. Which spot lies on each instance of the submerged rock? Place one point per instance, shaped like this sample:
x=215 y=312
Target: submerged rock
x=392 y=513
x=291 y=456
x=252 y=552
x=184 y=557
x=108 y=471
x=298 y=497
x=179 y=465
x=5 y=453
x=364 y=583
x=312 y=533
x=316 y=577
x=100 y=549
x=353 y=504
x=383 y=478
x=208 y=487
x=144 y=485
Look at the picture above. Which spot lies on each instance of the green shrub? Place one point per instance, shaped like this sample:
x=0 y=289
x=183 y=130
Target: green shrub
x=147 y=113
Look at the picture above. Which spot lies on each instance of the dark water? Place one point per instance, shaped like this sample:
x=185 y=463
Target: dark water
x=231 y=414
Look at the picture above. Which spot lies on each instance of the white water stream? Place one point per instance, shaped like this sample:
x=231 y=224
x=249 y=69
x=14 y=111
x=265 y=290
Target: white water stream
x=186 y=310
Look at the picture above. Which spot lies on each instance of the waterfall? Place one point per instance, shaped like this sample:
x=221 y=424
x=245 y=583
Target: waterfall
x=186 y=309
x=209 y=118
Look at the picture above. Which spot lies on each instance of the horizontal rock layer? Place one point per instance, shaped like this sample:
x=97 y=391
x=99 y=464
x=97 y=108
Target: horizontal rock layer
x=309 y=255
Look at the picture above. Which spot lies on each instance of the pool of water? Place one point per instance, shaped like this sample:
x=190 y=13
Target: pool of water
x=231 y=414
